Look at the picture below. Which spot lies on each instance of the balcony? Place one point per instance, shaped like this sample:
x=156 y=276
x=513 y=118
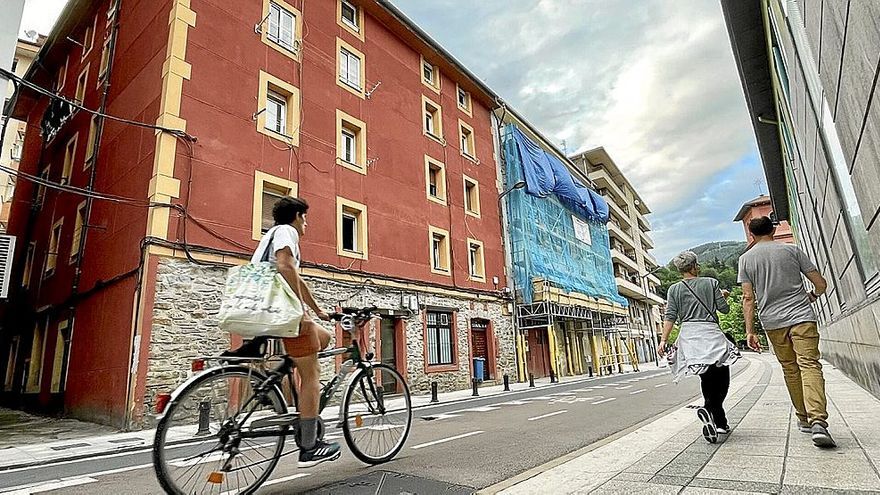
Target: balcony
x=619 y=212
x=646 y=239
x=653 y=279
x=618 y=256
x=643 y=223
x=602 y=179
x=616 y=232
x=627 y=288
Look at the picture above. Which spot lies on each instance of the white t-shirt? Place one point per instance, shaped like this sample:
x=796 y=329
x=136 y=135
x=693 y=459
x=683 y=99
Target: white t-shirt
x=282 y=236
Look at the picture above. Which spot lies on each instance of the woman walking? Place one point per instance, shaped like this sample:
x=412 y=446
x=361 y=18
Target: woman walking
x=701 y=348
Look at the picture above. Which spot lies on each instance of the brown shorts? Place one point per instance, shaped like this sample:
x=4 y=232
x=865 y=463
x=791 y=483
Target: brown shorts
x=306 y=343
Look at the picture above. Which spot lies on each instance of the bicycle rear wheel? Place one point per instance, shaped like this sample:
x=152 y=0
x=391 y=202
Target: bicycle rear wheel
x=198 y=448
x=377 y=414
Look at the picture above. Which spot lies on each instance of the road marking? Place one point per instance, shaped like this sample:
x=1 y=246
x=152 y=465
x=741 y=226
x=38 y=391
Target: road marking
x=543 y=397
x=548 y=415
x=513 y=403
x=637 y=391
x=444 y=440
x=480 y=409
x=588 y=389
x=564 y=393
x=604 y=401
x=660 y=385
x=625 y=387
x=50 y=485
x=120 y=470
x=275 y=481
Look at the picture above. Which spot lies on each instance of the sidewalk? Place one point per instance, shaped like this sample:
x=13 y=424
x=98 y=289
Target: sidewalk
x=27 y=440
x=764 y=454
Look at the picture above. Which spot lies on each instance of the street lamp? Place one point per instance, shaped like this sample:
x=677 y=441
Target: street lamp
x=505 y=227
x=644 y=285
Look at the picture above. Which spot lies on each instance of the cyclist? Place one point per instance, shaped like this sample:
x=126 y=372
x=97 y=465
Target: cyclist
x=290 y=223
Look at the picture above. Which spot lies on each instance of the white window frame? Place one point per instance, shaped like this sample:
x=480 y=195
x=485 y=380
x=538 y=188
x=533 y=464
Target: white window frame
x=355 y=248
x=279 y=125
x=355 y=25
x=278 y=14
x=346 y=58
x=349 y=146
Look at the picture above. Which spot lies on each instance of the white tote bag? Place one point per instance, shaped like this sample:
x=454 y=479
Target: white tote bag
x=258 y=302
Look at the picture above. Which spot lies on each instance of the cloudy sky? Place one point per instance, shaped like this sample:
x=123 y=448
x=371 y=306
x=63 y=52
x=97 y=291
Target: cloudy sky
x=652 y=81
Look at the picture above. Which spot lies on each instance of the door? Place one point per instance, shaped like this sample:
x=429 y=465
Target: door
x=538 y=358
x=480 y=343
x=388 y=350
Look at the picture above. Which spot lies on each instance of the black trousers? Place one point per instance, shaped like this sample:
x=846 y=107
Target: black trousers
x=715 y=383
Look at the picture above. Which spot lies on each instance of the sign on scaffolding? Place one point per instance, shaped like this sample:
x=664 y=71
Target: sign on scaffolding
x=582 y=230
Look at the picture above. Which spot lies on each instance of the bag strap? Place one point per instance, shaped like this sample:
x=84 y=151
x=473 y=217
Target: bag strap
x=711 y=313
x=266 y=253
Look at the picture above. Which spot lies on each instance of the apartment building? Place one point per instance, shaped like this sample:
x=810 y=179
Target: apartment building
x=809 y=73
x=343 y=103
x=13 y=141
x=631 y=245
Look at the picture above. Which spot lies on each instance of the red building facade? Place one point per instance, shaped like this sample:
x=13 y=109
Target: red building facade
x=337 y=102
x=762 y=207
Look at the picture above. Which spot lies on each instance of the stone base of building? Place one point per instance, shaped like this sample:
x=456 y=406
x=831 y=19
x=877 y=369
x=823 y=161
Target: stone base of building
x=185 y=326
x=852 y=344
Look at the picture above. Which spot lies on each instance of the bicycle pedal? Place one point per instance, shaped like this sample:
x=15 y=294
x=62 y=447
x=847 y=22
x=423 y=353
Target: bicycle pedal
x=280 y=420
x=369 y=356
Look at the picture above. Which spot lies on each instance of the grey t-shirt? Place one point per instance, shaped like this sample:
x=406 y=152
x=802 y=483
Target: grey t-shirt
x=774 y=269
x=681 y=305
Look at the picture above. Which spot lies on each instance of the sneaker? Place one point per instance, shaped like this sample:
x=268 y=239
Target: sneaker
x=804 y=427
x=322 y=451
x=722 y=430
x=710 y=432
x=821 y=437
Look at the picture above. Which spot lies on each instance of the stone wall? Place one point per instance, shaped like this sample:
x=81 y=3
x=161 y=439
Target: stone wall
x=187 y=301
x=852 y=344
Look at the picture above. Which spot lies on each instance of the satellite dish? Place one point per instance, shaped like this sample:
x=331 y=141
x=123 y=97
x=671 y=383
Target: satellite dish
x=31 y=34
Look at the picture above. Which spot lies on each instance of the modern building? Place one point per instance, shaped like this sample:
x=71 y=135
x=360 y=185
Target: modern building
x=13 y=141
x=567 y=306
x=762 y=206
x=344 y=103
x=631 y=245
x=810 y=76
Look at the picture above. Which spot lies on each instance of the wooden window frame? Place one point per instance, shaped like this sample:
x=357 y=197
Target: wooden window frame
x=346 y=206
x=78 y=225
x=47 y=271
x=40 y=194
x=104 y=64
x=69 y=159
x=359 y=92
x=89 y=39
x=480 y=276
x=260 y=181
x=471 y=140
x=30 y=255
x=295 y=51
x=437 y=114
x=357 y=127
x=442 y=197
x=358 y=31
x=34 y=381
x=453 y=323
x=474 y=212
x=61 y=78
x=82 y=85
x=59 y=360
x=444 y=254
x=90 y=144
x=468 y=108
x=291 y=93
x=435 y=85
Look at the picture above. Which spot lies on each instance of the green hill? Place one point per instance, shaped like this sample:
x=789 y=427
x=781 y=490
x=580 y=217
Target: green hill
x=728 y=252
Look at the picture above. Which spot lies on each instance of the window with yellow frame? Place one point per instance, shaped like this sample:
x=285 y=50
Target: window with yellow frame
x=281 y=28
x=351 y=229
x=435 y=180
x=439 y=250
x=476 y=261
x=351 y=142
x=278 y=109
x=268 y=189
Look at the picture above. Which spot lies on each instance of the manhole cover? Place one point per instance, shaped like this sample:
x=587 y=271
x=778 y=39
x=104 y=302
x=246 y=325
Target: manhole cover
x=389 y=483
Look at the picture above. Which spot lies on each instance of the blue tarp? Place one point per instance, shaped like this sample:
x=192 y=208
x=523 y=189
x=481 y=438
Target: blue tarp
x=546 y=174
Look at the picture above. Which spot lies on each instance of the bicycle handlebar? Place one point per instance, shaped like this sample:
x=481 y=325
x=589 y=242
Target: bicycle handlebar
x=360 y=314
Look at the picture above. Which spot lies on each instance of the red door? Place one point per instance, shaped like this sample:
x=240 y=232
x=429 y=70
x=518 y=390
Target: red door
x=538 y=352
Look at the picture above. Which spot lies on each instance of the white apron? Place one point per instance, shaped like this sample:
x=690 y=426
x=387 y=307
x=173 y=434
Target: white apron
x=700 y=344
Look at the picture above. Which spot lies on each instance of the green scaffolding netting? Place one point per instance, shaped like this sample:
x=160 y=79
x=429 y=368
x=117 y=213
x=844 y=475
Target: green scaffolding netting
x=552 y=242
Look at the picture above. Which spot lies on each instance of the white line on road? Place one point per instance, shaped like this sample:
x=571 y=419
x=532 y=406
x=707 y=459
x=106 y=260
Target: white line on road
x=604 y=401
x=564 y=393
x=50 y=485
x=660 y=385
x=637 y=391
x=624 y=388
x=275 y=481
x=513 y=403
x=120 y=470
x=444 y=440
x=548 y=415
x=480 y=409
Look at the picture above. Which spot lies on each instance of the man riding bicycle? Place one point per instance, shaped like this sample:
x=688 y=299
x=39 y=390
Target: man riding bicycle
x=290 y=223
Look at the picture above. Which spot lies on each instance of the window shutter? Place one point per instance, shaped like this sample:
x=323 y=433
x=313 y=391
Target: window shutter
x=7 y=248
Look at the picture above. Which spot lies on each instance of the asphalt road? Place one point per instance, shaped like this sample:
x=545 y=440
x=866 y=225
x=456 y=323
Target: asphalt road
x=473 y=443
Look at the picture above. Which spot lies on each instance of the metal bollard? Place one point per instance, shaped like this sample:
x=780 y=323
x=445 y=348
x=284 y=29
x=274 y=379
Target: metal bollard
x=552 y=376
x=590 y=368
x=434 y=392
x=531 y=380
x=204 y=417
x=475 y=385
x=506 y=383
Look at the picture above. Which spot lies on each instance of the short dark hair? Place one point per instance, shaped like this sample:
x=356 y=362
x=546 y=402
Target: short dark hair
x=761 y=226
x=288 y=209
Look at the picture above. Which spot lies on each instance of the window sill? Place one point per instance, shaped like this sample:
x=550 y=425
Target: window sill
x=466 y=110
x=441 y=272
x=351 y=28
x=435 y=199
x=476 y=278
x=291 y=52
x=352 y=254
x=351 y=166
x=475 y=214
x=435 y=137
x=441 y=368
x=434 y=88
x=470 y=157
x=351 y=89
x=284 y=138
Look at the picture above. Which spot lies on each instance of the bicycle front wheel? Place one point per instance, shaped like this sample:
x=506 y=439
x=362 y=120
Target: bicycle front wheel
x=377 y=414
x=199 y=447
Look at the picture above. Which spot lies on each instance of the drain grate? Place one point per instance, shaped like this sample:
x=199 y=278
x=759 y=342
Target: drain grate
x=127 y=440
x=70 y=446
x=390 y=483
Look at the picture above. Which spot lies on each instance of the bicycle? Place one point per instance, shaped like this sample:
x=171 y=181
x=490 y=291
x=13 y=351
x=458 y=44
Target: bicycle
x=226 y=426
